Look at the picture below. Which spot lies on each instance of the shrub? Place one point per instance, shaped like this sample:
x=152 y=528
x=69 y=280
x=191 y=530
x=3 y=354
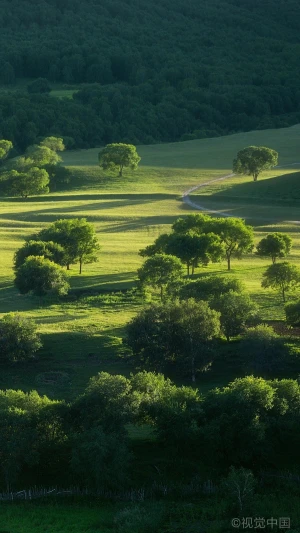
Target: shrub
x=18 y=338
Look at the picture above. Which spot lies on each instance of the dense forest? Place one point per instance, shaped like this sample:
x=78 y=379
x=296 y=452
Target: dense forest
x=148 y=72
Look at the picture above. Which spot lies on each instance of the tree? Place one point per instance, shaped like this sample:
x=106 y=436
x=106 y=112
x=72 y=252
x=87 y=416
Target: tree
x=263 y=350
x=190 y=248
x=197 y=224
x=56 y=144
x=5 y=147
x=236 y=236
x=210 y=287
x=274 y=245
x=194 y=250
x=239 y=486
x=292 y=313
x=99 y=459
x=41 y=155
x=77 y=237
x=235 y=431
x=236 y=309
x=40 y=85
x=282 y=277
x=159 y=271
x=19 y=340
x=49 y=250
x=198 y=324
x=119 y=155
x=41 y=276
x=170 y=409
x=177 y=333
x=34 y=181
x=254 y=159
x=58 y=176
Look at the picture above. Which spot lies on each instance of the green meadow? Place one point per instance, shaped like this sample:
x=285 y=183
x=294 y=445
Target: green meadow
x=82 y=333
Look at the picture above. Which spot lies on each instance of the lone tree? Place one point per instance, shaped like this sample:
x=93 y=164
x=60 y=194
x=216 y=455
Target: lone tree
x=236 y=236
x=254 y=159
x=18 y=338
x=77 y=237
x=274 y=245
x=119 y=155
x=41 y=276
x=281 y=276
x=159 y=271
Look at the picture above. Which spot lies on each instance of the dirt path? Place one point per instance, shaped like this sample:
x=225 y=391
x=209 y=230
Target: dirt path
x=186 y=195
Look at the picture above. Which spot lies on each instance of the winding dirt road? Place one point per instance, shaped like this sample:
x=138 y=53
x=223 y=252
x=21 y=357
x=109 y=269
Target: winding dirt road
x=186 y=195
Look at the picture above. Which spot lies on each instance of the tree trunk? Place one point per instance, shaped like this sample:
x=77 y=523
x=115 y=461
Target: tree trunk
x=273 y=260
x=188 y=269
x=283 y=293
x=161 y=293
x=80 y=265
x=255 y=176
x=68 y=266
x=228 y=261
x=121 y=171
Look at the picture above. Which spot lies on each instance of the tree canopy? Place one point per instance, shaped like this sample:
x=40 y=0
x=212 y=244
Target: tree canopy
x=77 y=237
x=40 y=276
x=254 y=159
x=274 y=245
x=119 y=155
x=282 y=277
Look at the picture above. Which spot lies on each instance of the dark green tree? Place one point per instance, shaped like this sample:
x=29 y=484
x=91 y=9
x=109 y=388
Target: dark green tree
x=236 y=236
x=40 y=85
x=274 y=245
x=292 y=313
x=41 y=276
x=174 y=333
x=33 y=182
x=236 y=310
x=263 y=350
x=282 y=277
x=19 y=340
x=49 y=250
x=77 y=237
x=160 y=271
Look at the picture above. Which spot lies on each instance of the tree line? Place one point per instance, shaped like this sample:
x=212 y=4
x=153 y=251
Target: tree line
x=86 y=442
x=136 y=83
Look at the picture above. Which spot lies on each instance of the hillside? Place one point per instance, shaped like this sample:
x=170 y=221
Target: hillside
x=145 y=72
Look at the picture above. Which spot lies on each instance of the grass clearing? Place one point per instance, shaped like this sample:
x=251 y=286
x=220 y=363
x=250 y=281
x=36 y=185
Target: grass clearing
x=82 y=335
x=58 y=517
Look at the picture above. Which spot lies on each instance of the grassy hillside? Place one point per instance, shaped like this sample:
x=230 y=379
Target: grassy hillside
x=82 y=335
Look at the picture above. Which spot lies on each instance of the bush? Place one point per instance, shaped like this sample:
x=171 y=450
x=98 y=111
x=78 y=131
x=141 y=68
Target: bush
x=139 y=519
x=41 y=85
x=210 y=287
x=263 y=350
x=292 y=313
x=18 y=338
x=41 y=276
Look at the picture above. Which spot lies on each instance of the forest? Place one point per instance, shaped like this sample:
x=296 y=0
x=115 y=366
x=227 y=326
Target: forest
x=142 y=73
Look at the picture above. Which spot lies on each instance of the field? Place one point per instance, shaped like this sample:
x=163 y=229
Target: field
x=82 y=335
x=56 y=517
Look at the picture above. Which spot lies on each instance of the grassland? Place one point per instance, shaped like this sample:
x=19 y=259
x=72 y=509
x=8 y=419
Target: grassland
x=56 y=518
x=82 y=335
